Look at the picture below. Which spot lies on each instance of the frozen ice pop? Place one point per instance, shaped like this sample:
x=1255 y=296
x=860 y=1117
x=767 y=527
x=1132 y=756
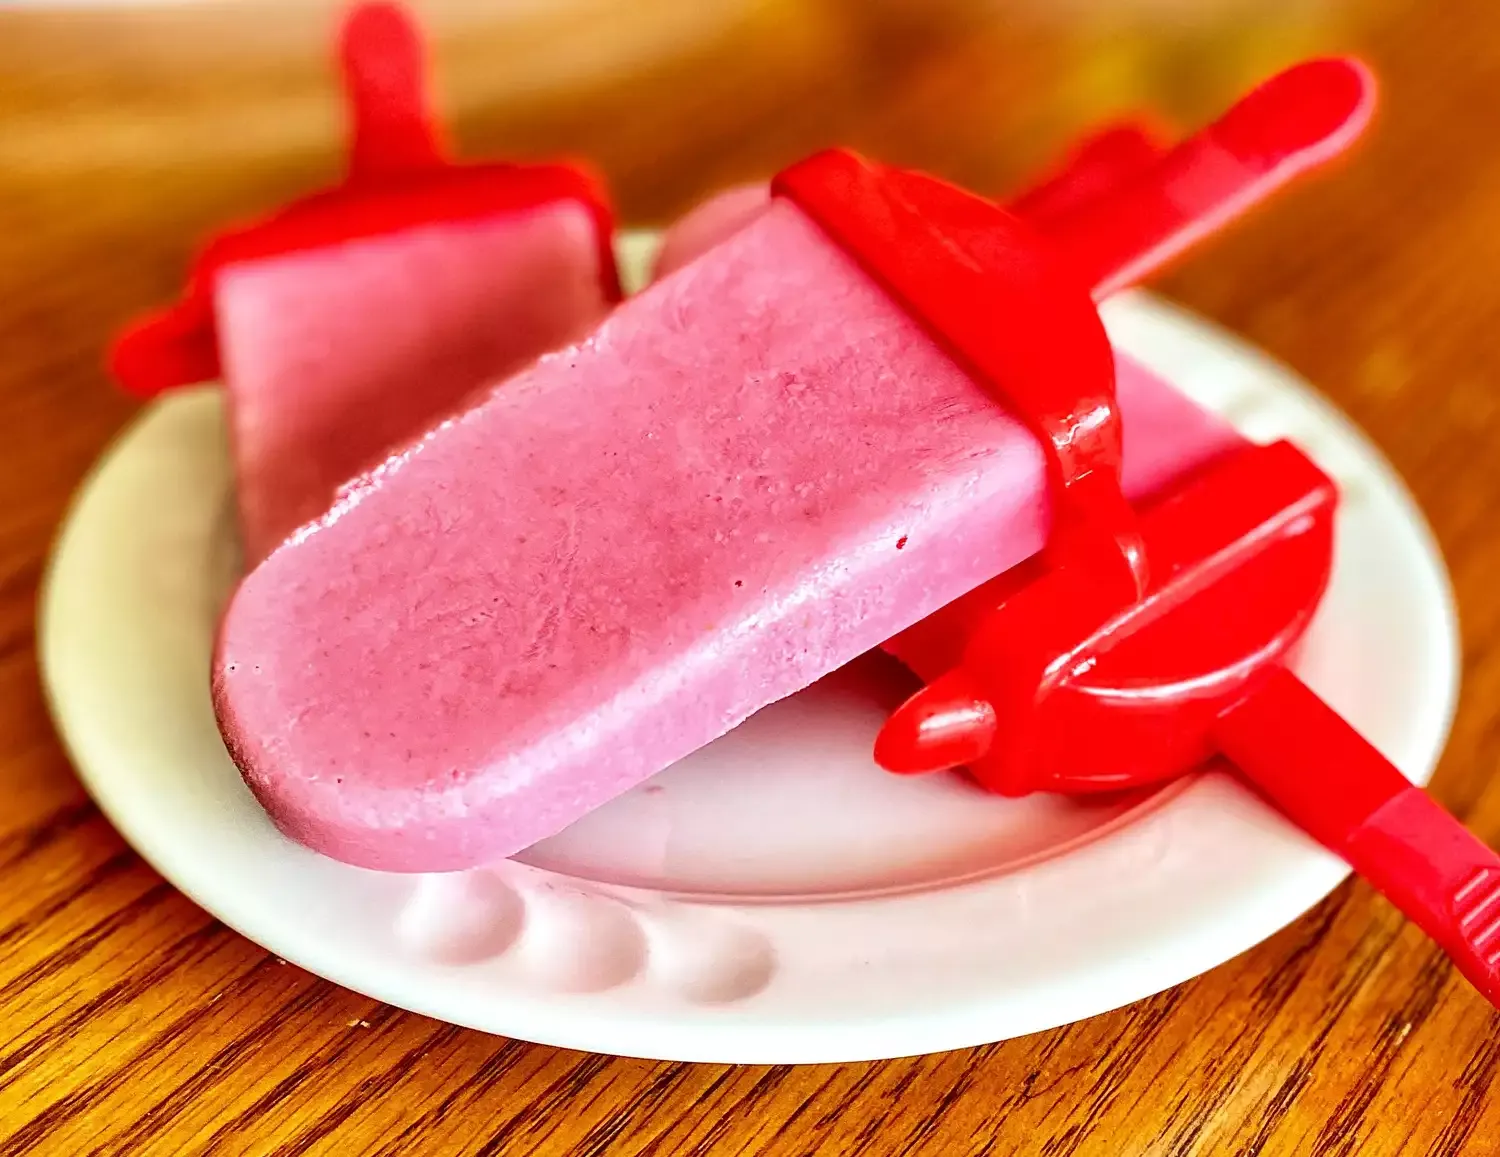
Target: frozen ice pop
x=751 y=473
x=352 y=320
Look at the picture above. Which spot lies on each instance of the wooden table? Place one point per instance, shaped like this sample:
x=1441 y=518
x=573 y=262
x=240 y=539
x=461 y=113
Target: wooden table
x=132 y=1022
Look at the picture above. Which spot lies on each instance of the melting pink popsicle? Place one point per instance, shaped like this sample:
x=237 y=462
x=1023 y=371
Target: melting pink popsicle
x=351 y=320
x=753 y=472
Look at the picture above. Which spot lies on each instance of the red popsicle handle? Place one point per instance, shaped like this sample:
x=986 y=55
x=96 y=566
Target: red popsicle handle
x=399 y=177
x=1333 y=784
x=393 y=127
x=1092 y=170
x=1055 y=690
x=1291 y=123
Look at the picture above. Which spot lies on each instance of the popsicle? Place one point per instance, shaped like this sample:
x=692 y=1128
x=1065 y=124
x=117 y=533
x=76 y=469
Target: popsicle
x=754 y=471
x=353 y=319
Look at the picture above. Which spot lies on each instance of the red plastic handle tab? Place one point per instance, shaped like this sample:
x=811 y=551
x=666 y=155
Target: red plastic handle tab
x=1293 y=122
x=1336 y=786
x=1091 y=171
x=172 y=347
x=393 y=128
x=1304 y=115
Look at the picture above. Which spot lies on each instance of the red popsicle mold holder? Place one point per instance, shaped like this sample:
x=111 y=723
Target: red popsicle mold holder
x=1142 y=644
x=399 y=177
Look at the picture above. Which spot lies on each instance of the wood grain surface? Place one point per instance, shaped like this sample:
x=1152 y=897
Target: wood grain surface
x=131 y=1022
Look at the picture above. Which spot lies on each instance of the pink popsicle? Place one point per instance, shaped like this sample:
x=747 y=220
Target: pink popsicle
x=706 y=224
x=627 y=550
x=352 y=319
x=332 y=356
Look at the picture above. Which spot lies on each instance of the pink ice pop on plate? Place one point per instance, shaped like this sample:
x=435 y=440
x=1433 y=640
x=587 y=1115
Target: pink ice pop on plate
x=351 y=320
x=751 y=473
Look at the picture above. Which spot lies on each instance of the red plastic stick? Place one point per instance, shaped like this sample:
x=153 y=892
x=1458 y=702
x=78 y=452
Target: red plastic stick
x=394 y=129
x=1332 y=783
x=1300 y=118
x=1091 y=172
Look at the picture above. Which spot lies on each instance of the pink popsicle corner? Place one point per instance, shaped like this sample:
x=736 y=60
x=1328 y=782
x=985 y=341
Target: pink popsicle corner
x=350 y=320
x=751 y=473
x=334 y=356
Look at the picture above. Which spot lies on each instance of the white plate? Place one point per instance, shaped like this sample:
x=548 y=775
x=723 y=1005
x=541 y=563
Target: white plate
x=775 y=897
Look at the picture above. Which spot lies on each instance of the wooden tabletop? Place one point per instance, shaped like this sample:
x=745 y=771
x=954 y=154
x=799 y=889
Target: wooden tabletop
x=130 y=1021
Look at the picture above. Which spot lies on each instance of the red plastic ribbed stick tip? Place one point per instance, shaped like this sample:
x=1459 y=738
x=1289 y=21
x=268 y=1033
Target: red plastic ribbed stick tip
x=946 y=724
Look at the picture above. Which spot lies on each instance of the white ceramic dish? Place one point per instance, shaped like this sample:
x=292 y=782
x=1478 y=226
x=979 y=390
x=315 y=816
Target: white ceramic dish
x=775 y=897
